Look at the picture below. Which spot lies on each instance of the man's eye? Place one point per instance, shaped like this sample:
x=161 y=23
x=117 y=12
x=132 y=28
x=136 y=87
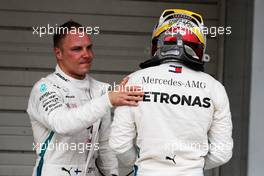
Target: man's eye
x=77 y=49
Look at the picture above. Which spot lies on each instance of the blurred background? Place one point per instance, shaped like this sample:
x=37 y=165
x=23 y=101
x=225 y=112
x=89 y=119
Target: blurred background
x=124 y=41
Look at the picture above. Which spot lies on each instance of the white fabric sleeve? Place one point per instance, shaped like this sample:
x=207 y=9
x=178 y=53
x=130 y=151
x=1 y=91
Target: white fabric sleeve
x=49 y=108
x=122 y=134
x=107 y=161
x=220 y=132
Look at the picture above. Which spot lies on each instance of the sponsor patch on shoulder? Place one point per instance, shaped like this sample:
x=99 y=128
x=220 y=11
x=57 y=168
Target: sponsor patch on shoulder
x=175 y=69
x=43 y=88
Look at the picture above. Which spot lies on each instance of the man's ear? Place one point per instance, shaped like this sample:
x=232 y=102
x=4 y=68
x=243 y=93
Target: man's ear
x=58 y=53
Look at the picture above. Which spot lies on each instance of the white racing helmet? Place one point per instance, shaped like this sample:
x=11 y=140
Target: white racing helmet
x=178 y=36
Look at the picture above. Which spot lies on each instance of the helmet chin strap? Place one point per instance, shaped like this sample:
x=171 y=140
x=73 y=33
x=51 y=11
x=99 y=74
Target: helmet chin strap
x=172 y=53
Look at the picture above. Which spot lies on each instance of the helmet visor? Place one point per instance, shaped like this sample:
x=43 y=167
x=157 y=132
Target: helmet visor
x=191 y=43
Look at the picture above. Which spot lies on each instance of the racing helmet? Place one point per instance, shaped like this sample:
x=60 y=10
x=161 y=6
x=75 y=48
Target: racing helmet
x=178 y=36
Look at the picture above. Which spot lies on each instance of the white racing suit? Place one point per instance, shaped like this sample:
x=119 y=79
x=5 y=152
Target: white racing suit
x=182 y=127
x=70 y=120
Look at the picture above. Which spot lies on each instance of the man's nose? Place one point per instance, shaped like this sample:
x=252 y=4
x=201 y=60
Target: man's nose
x=88 y=53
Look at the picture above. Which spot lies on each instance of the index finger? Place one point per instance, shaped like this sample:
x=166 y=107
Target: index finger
x=124 y=82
